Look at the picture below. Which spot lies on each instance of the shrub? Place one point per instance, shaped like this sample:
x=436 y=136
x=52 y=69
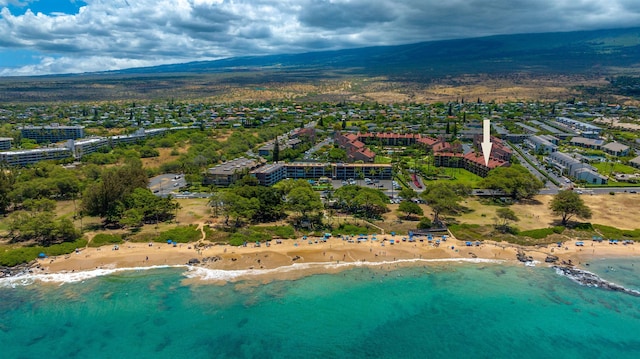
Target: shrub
x=425 y=223
x=584 y=226
x=104 y=239
x=468 y=232
x=248 y=236
x=542 y=232
x=182 y=234
x=346 y=228
x=12 y=257
x=615 y=233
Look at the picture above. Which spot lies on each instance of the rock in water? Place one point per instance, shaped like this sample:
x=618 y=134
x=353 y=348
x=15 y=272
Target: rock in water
x=589 y=279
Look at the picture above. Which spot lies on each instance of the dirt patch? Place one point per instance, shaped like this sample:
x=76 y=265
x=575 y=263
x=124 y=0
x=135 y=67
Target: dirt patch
x=621 y=211
x=193 y=210
x=164 y=157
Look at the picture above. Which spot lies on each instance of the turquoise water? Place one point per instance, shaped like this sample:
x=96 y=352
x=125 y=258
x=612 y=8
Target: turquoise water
x=439 y=311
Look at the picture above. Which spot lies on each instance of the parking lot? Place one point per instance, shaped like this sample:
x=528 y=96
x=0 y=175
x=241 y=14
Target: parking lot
x=165 y=184
x=383 y=185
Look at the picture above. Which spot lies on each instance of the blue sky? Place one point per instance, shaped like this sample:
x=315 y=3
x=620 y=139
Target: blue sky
x=65 y=36
x=48 y=7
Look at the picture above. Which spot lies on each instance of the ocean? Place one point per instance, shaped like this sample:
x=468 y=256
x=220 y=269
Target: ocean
x=439 y=310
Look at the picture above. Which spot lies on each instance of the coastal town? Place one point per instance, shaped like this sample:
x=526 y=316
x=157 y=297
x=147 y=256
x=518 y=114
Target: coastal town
x=400 y=151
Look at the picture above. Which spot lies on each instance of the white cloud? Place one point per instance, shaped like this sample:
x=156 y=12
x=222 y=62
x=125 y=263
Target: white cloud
x=112 y=34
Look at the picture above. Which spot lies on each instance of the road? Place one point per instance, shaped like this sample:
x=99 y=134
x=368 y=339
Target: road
x=308 y=154
x=536 y=171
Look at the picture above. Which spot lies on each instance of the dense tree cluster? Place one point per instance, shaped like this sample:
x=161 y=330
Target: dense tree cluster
x=444 y=198
x=121 y=196
x=515 y=181
x=246 y=201
x=37 y=222
x=362 y=201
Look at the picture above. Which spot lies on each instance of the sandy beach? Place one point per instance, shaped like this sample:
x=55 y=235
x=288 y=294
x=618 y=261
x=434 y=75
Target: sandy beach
x=296 y=258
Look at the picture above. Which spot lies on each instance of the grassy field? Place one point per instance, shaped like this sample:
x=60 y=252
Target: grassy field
x=165 y=156
x=459 y=175
x=607 y=168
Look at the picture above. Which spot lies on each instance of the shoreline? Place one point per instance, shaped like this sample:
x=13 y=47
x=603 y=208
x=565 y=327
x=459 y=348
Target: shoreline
x=293 y=259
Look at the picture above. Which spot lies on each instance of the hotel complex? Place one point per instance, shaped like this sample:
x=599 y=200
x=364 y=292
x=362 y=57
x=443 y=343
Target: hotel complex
x=52 y=133
x=73 y=148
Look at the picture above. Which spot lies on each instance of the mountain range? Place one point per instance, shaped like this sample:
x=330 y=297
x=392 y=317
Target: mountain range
x=563 y=52
x=568 y=60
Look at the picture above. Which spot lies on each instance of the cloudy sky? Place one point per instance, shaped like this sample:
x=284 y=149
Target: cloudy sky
x=70 y=36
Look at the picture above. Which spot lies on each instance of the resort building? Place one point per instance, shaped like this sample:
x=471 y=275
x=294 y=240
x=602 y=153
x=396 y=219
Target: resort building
x=27 y=157
x=356 y=149
x=616 y=149
x=499 y=149
x=137 y=136
x=573 y=167
x=540 y=144
x=527 y=129
x=267 y=149
x=472 y=162
x=592 y=143
x=298 y=170
x=86 y=146
x=635 y=162
x=586 y=129
x=270 y=174
x=5 y=143
x=516 y=137
x=227 y=173
x=343 y=171
x=52 y=133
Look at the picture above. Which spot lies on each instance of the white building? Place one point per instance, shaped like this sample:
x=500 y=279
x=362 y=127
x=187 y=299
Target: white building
x=27 y=157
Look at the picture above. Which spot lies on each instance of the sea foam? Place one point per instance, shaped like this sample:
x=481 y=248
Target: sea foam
x=69 y=277
x=208 y=274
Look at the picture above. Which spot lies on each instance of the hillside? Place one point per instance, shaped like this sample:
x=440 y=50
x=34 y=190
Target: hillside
x=564 y=61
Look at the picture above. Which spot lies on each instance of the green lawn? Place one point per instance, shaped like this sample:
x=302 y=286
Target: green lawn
x=459 y=175
x=382 y=160
x=606 y=168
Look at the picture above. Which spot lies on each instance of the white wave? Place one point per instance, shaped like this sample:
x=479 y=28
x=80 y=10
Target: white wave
x=230 y=275
x=69 y=277
x=213 y=274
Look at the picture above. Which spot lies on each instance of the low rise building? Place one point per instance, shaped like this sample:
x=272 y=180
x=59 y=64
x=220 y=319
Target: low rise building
x=472 y=162
x=591 y=143
x=528 y=129
x=573 y=167
x=87 y=146
x=270 y=174
x=52 y=133
x=267 y=149
x=27 y=157
x=356 y=149
x=587 y=129
x=616 y=149
x=228 y=172
x=5 y=143
x=499 y=149
x=540 y=145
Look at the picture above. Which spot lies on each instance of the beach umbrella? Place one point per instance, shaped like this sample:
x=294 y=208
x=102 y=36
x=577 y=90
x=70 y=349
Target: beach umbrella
x=42 y=255
x=169 y=241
